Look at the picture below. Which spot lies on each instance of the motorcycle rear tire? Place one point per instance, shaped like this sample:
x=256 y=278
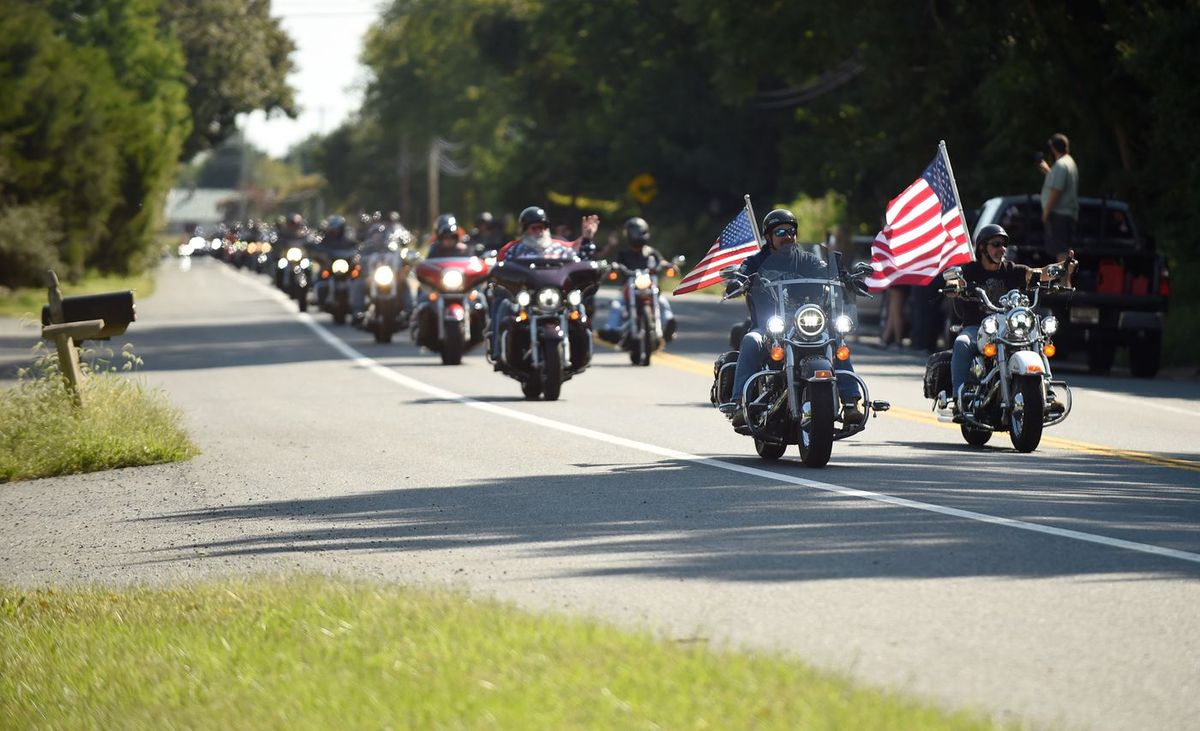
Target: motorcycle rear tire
x=975 y=437
x=452 y=346
x=1025 y=427
x=816 y=442
x=553 y=379
x=769 y=450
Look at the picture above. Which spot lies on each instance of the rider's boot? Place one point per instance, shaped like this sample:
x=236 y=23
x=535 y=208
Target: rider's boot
x=851 y=414
x=669 y=330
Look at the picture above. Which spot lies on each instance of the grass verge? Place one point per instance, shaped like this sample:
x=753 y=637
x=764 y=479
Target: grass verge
x=28 y=301
x=314 y=653
x=122 y=423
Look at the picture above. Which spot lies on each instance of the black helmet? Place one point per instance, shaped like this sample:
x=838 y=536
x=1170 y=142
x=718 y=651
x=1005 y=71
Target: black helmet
x=988 y=232
x=446 y=224
x=533 y=214
x=336 y=226
x=636 y=229
x=485 y=217
x=777 y=217
x=394 y=217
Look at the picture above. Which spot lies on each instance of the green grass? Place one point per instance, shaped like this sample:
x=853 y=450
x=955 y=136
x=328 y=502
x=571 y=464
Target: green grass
x=27 y=302
x=314 y=653
x=122 y=424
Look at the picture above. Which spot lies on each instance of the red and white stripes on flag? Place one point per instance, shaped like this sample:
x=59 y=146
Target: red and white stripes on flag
x=736 y=243
x=923 y=231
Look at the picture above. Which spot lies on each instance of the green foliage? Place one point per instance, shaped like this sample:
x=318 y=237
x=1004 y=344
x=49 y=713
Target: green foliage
x=28 y=243
x=92 y=125
x=238 y=59
x=315 y=653
x=122 y=423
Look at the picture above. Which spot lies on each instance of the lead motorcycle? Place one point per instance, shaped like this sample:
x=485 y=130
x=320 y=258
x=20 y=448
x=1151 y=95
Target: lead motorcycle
x=641 y=332
x=544 y=335
x=451 y=317
x=1010 y=387
x=793 y=399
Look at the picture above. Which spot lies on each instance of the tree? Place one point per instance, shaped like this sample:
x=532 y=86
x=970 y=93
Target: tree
x=238 y=59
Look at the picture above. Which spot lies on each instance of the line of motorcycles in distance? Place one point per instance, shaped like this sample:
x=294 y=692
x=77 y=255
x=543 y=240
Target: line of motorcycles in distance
x=545 y=307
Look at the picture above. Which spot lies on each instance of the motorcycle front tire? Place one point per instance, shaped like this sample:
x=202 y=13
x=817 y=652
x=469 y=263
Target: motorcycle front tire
x=452 y=346
x=552 y=379
x=1025 y=426
x=816 y=442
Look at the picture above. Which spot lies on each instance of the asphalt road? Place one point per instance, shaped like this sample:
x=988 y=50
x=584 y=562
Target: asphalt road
x=1059 y=587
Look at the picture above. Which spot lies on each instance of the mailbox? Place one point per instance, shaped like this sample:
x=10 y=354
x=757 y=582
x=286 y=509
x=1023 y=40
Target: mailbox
x=115 y=308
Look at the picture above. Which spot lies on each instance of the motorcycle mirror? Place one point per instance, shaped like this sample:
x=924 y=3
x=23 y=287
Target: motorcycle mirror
x=952 y=274
x=679 y=260
x=728 y=272
x=862 y=267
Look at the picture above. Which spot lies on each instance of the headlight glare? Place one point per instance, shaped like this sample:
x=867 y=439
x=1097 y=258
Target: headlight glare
x=642 y=280
x=523 y=299
x=384 y=276
x=340 y=266
x=575 y=297
x=549 y=298
x=990 y=326
x=452 y=279
x=843 y=324
x=775 y=325
x=1020 y=323
x=1049 y=324
x=295 y=253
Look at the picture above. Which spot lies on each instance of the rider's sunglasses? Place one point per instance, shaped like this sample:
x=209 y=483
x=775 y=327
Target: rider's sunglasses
x=998 y=243
x=784 y=232
x=536 y=228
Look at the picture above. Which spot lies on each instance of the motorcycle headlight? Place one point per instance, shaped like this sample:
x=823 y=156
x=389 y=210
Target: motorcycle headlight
x=549 y=298
x=574 y=297
x=843 y=324
x=452 y=279
x=642 y=280
x=281 y=264
x=295 y=253
x=264 y=248
x=304 y=263
x=1020 y=323
x=523 y=298
x=990 y=326
x=775 y=325
x=1049 y=324
x=810 y=320
x=340 y=266
x=384 y=276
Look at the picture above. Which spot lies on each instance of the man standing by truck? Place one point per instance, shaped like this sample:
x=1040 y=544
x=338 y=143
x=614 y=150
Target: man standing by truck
x=1060 y=197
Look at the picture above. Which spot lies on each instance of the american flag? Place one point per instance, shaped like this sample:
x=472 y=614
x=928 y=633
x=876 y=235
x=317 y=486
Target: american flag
x=923 y=231
x=736 y=243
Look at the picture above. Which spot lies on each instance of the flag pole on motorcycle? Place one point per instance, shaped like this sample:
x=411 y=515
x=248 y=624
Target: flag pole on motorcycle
x=738 y=240
x=962 y=214
x=924 y=230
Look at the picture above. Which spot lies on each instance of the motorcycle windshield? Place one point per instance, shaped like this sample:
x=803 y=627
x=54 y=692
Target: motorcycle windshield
x=791 y=278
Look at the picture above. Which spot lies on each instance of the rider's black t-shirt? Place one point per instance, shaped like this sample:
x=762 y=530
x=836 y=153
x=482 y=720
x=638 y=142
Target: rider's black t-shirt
x=996 y=283
x=637 y=258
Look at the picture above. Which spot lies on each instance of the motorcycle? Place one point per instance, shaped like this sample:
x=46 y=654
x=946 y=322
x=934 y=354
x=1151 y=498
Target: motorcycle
x=544 y=335
x=293 y=276
x=642 y=329
x=451 y=318
x=388 y=299
x=793 y=399
x=1010 y=386
x=338 y=273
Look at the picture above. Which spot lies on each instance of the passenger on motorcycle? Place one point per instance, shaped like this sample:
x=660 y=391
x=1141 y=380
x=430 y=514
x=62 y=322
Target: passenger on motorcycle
x=449 y=241
x=779 y=230
x=536 y=243
x=996 y=275
x=637 y=253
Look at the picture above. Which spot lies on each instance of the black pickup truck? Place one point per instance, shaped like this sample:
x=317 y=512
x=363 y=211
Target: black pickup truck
x=1121 y=286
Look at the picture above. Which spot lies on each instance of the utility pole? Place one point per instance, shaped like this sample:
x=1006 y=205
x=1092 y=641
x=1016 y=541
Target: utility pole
x=435 y=164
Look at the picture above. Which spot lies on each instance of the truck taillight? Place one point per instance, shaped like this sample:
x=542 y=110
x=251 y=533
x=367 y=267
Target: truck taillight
x=1164 y=283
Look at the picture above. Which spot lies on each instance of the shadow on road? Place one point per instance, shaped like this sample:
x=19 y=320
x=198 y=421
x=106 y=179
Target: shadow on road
x=674 y=519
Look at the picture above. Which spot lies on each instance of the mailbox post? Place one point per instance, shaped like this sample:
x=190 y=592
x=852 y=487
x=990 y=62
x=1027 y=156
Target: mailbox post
x=116 y=310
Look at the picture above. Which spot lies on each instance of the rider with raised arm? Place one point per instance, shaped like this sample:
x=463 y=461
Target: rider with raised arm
x=779 y=231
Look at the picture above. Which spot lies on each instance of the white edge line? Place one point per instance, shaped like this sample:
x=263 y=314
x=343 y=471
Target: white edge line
x=400 y=379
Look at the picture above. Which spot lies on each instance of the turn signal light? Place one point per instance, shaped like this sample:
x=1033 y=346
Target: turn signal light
x=355 y=272
x=473 y=296
x=433 y=296
x=822 y=374
x=776 y=352
x=843 y=352
x=671 y=271
x=1033 y=369
x=1049 y=350
x=325 y=274
x=990 y=350
x=522 y=316
x=574 y=315
x=612 y=276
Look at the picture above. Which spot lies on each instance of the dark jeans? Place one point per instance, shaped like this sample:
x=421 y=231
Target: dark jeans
x=1059 y=233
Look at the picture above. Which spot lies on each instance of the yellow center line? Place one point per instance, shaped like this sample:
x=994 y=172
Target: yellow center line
x=691 y=365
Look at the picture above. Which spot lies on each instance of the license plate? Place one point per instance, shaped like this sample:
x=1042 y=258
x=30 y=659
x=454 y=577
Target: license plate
x=1085 y=315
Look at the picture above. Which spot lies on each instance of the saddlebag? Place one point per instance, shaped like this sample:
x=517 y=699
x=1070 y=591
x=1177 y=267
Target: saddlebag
x=722 y=388
x=937 y=374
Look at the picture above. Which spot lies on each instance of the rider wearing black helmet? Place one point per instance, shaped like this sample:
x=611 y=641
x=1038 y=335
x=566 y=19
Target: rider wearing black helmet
x=449 y=240
x=996 y=275
x=779 y=231
x=637 y=253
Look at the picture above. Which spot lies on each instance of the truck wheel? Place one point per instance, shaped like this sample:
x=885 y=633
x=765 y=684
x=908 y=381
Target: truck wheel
x=1145 y=357
x=1100 y=354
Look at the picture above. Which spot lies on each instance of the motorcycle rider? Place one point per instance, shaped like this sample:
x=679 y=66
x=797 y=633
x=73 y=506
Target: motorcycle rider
x=779 y=230
x=536 y=243
x=996 y=275
x=637 y=254
x=448 y=241
x=334 y=238
x=487 y=233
